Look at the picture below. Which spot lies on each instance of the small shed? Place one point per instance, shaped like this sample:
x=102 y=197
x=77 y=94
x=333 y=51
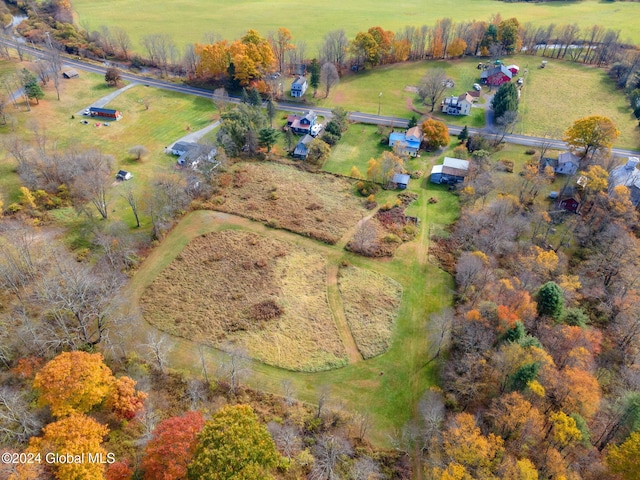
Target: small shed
x=123 y=175
x=401 y=180
x=71 y=73
x=302 y=148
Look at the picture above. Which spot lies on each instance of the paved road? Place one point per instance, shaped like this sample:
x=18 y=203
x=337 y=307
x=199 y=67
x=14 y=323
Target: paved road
x=355 y=116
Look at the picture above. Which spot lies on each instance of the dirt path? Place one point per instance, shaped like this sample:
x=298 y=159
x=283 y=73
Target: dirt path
x=349 y=233
x=335 y=303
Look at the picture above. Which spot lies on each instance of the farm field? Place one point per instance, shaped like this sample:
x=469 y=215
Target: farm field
x=311 y=21
x=317 y=206
x=238 y=290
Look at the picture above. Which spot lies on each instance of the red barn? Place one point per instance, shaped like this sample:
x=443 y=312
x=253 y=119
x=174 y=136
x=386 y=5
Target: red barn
x=496 y=76
x=105 y=113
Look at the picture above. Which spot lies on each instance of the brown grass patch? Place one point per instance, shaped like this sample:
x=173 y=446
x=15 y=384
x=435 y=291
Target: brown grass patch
x=315 y=205
x=371 y=302
x=258 y=294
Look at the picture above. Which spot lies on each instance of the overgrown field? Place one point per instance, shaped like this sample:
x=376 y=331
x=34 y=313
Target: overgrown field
x=311 y=21
x=241 y=291
x=371 y=303
x=318 y=206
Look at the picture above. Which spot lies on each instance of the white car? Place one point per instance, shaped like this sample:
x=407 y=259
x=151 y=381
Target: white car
x=477 y=87
x=86 y=112
x=315 y=130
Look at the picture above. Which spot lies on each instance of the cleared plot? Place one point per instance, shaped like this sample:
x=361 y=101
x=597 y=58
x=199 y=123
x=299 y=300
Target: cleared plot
x=237 y=290
x=357 y=145
x=555 y=96
x=315 y=205
x=371 y=302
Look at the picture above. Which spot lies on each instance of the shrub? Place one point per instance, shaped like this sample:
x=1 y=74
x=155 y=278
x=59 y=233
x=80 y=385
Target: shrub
x=392 y=238
x=263 y=311
x=330 y=139
x=333 y=128
x=273 y=223
x=529 y=151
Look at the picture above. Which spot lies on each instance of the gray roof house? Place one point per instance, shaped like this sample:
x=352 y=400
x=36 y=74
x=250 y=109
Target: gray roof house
x=190 y=153
x=401 y=180
x=298 y=87
x=629 y=176
x=566 y=164
x=302 y=148
x=452 y=170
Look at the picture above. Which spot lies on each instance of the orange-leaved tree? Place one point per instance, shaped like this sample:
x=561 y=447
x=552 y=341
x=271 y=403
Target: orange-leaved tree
x=436 y=134
x=171 y=448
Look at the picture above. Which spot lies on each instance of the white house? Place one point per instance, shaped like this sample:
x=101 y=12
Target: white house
x=460 y=105
x=452 y=170
x=299 y=86
x=629 y=176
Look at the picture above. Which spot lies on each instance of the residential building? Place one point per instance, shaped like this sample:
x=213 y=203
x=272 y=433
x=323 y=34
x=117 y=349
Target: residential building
x=105 y=113
x=298 y=87
x=410 y=140
x=629 y=176
x=302 y=148
x=452 y=171
x=460 y=105
x=302 y=125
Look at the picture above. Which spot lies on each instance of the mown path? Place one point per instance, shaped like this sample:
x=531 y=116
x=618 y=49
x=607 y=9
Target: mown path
x=337 y=309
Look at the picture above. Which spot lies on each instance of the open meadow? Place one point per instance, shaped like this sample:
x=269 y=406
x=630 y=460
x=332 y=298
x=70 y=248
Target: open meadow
x=311 y=21
x=318 y=206
x=260 y=296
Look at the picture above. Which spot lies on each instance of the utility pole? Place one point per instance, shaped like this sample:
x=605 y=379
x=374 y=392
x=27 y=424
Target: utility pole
x=379 y=98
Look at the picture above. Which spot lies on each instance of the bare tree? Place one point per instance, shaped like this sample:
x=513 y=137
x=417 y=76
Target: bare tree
x=364 y=238
x=93 y=185
x=157 y=349
x=324 y=393
x=366 y=468
x=439 y=331
x=148 y=417
x=161 y=50
x=335 y=46
x=122 y=40
x=17 y=422
x=286 y=437
x=432 y=86
x=329 y=77
x=505 y=125
x=203 y=364
x=197 y=393
x=236 y=368
x=288 y=391
x=329 y=452
x=138 y=151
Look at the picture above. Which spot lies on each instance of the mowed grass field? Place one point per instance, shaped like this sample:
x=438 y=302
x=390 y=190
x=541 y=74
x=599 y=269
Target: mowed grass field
x=563 y=92
x=188 y=20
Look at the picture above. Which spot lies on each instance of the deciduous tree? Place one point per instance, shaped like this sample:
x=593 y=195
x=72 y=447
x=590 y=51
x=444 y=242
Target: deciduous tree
x=624 y=459
x=172 y=446
x=329 y=77
x=233 y=444
x=590 y=134
x=112 y=77
x=436 y=134
x=432 y=87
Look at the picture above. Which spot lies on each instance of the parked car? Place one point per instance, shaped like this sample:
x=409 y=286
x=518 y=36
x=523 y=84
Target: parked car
x=86 y=112
x=477 y=87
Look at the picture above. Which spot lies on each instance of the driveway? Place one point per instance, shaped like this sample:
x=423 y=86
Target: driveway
x=102 y=102
x=193 y=137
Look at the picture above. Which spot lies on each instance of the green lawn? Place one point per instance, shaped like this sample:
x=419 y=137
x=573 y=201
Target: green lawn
x=554 y=97
x=187 y=21
x=357 y=145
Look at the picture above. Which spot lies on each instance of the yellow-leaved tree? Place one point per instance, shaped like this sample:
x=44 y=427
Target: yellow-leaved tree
x=590 y=134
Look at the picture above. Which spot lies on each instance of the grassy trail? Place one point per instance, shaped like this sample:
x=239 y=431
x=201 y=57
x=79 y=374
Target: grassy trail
x=335 y=302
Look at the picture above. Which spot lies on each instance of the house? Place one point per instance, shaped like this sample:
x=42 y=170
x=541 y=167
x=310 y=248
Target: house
x=629 y=176
x=496 y=76
x=302 y=125
x=452 y=170
x=475 y=95
x=190 y=153
x=566 y=164
x=401 y=180
x=123 y=175
x=410 y=139
x=71 y=73
x=302 y=148
x=460 y=105
x=298 y=87
x=569 y=199
x=105 y=112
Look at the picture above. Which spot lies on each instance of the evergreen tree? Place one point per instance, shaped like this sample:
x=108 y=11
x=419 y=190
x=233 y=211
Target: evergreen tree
x=463 y=135
x=31 y=87
x=254 y=97
x=271 y=111
x=267 y=137
x=314 y=70
x=505 y=99
x=413 y=121
x=550 y=300
x=244 y=96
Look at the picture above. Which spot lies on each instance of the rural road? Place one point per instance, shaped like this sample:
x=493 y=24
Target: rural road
x=354 y=116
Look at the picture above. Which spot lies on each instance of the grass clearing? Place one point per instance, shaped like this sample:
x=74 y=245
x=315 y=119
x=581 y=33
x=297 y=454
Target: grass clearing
x=319 y=206
x=554 y=97
x=371 y=302
x=311 y=21
x=240 y=290
x=357 y=145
